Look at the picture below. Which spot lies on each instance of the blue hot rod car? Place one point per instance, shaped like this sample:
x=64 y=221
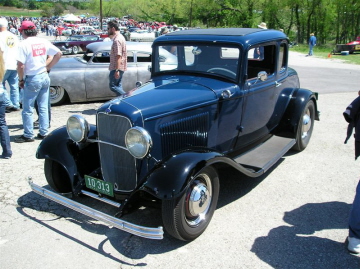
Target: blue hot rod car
x=229 y=99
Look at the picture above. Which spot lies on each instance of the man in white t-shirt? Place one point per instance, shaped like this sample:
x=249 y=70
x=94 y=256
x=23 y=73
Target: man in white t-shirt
x=10 y=44
x=34 y=79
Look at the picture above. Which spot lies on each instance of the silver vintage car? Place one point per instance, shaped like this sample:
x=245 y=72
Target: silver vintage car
x=86 y=78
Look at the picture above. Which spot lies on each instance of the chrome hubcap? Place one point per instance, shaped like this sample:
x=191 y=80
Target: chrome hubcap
x=199 y=200
x=306 y=124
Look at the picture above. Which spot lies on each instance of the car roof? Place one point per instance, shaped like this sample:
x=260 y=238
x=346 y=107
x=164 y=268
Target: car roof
x=134 y=46
x=238 y=35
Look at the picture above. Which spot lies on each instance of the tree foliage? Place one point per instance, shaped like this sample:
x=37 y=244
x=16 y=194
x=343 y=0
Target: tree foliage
x=331 y=20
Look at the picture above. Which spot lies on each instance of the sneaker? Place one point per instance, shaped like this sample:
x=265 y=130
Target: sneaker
x=10 y=109
x=22 y=139
x=39 y=136
x=6 y=156
x=354 y=245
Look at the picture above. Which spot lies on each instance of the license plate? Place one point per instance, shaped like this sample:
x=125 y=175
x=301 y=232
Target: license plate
x=100 y=186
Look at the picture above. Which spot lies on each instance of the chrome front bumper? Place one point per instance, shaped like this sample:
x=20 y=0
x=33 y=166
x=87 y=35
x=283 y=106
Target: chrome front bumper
x=146 y=232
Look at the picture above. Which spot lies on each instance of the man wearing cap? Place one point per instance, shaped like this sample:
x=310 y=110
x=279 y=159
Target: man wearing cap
x=118 y=58
x=34 y=79
x=10 y=44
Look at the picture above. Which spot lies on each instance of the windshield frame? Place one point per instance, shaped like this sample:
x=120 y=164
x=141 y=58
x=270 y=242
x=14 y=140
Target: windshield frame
x=184 y=66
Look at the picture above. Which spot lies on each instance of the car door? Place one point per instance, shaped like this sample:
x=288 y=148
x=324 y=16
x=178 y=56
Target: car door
x=260 y=94
x=97 y=76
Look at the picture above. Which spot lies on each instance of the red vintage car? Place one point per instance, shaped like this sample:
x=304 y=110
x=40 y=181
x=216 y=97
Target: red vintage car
x=76 y=43
x=351 y=47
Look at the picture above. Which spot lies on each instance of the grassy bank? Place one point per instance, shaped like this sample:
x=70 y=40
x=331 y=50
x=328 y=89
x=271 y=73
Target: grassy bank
x=323 y=52
x=19 y=12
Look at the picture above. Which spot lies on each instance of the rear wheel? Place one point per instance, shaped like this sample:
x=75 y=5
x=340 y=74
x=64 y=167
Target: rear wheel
x=187 y=217
x=57 y=176
x=305 y=127
x=74 y=50
x=58 y=95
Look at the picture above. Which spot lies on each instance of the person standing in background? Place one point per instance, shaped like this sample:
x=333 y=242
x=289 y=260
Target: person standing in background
x=4 y=131
x=118 y=59
x=33 y=70
x=312 y=44
x=10 y=44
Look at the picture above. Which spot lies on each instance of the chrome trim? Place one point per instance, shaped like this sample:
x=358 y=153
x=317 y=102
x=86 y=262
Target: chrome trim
x=107 y=143
x=146 y=232
x=146 y=136
x=85 y=128
x=102 y=199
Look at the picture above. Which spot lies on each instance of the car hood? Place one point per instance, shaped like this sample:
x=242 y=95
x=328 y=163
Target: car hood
x=167 y=95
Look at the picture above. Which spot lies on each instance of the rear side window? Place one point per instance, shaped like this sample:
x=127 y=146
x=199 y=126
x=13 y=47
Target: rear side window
x=261 y=58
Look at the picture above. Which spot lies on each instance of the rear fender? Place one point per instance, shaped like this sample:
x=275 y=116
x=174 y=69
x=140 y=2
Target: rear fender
x=290 y=120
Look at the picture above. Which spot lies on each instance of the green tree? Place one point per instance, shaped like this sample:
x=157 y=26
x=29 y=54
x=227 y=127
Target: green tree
x=58 y=9
x=47 y=11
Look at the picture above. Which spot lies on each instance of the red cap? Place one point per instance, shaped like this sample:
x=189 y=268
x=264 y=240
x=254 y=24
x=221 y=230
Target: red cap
x=27 y=25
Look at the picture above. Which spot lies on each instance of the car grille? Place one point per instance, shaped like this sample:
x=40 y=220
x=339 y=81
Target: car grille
x=118 y=166
x=188 y=132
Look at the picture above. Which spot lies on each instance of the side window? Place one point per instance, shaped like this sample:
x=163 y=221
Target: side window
x=261 y=58
x=130 y=57
x=282 y=57
x=143 y=57
x=101 y=57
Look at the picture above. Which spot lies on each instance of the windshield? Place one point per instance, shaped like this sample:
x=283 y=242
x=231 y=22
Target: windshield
x=219 y=60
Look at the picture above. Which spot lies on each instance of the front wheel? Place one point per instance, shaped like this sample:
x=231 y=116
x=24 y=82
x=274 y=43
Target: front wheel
x=57 y=176
x=186 y=218
x=305 y=127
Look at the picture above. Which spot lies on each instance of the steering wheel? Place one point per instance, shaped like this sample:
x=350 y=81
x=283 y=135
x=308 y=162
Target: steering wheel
x=222 y=69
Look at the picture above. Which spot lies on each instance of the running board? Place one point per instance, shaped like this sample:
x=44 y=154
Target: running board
x=146 y=232
x=263 y=157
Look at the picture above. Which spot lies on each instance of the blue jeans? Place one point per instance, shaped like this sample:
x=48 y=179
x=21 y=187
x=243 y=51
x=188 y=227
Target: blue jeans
x=311 y=49
x=354 y=221
x=4 y=131
x=11 y=76
x=115 y=84
x=36 y=89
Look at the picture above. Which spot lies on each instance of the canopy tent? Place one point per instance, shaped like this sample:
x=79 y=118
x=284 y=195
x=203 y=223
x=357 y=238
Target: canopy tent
x=71 y=17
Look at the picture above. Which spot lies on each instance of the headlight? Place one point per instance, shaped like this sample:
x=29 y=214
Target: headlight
x=138 y=142
x=77 y=128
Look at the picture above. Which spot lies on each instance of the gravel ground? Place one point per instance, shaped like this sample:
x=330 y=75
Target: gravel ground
x=295 y=216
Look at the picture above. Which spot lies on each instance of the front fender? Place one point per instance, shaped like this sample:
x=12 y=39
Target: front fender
x=57 y=146
x=170 y=178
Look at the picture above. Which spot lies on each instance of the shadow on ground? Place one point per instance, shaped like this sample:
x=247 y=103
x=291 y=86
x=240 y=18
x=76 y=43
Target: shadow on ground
x=295 y=246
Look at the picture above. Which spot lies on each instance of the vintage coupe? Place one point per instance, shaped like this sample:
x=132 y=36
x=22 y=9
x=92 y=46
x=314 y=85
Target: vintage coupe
x=76 y=43
x=86 y=78
x=163 y=143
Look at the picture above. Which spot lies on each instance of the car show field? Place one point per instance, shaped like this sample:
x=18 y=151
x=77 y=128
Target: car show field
x=298 y=209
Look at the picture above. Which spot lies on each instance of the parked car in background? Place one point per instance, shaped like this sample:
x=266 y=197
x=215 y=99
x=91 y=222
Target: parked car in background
x=142 y=35
x=162 y=145
x=351 y=47
x=81 y=79
x=76 y=43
